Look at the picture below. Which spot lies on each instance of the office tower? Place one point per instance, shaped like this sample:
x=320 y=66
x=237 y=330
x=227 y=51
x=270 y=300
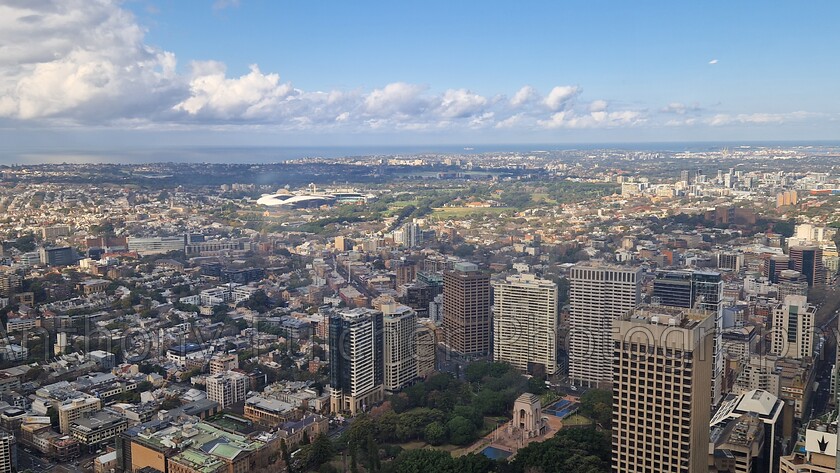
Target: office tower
x=737 y=446
x=404 y=270
x=342 y=243
x=662 y=377
x=8 y=453
x=356 y=360
x=730 y=260
x=685 y=177
x=759 y=404
x=466 y=310
x=525 y=320
x=701 y=290
x=793 y=328
x=598 y=294
x=792 y=283
x=808 y=260
x=426 y=348
x=774 y=265
x=227 y=388
x=399 y=346
x=58 y=256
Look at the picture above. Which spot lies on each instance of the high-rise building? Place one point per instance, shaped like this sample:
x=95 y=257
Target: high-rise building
x=525 y=320
x=662 y=376
x=466 y=310
x=730 y=260
x=793 y=328
x=426 y=348
x=701 y=290
x=598 y=294
x=774 y=265
x=73 y=409
x=223 y=362
x=8 y=453
x=57 y=256
x=808 y=260
x=792 y=283
x=356 y=360
x=399 y=346
x=227 y=388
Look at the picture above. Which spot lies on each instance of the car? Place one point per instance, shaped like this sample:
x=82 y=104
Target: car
x=573 y=388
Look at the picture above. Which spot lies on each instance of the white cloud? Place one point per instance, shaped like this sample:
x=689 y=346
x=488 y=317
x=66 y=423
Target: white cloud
x=511 y=121
x=713 y=61
x=599 y=119
x=396 y=98
x=523 y=96
x=460 y=103
x=251 y=96
x=598 y=106
x=561 y=96
x=90 y=65
x=723 y=119
x=88 y=59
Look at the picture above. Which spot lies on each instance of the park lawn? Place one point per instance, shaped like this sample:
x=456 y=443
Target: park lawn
x=454 y=212
x=543 y=197
x=576 y=420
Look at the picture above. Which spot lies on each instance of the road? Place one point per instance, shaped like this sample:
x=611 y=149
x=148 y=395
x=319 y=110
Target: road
x=29 y=460
x=355 y=281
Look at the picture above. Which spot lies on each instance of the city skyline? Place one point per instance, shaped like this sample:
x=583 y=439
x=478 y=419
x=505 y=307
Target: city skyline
x=296 y=74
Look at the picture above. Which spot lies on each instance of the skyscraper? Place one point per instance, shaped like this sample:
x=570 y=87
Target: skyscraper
x=808 y=260
x=701 y=290
x=399 y=346
x=8 y=453
x=793 y=328
x=466 y=310
x=356 y=360
x=662 y=370
x=525 y=322
x=598 y=295
x=774 y=265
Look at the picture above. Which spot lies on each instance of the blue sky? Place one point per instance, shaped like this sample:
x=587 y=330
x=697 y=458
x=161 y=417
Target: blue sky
x=98 y=72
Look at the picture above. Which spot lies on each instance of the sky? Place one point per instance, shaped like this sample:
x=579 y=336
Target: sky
x=90 y=74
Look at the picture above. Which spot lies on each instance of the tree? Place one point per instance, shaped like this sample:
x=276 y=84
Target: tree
x=321 y=451
x=435 y=433
x=464 y=251
x=284 y=453
x=424 y=461
x=461 y=431
x=570 y=450
x=597 y=405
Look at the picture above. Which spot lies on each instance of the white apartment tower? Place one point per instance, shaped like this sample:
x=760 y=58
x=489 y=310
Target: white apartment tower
x=793 y=328
x=598 y=294
x=525 y=320
x=227 y=388
x=399 y=324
